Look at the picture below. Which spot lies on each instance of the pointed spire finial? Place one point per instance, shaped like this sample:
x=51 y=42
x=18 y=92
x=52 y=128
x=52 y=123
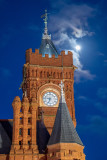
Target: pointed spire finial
x=45 y=21
x=45 y=16
x=62 y=100
x=25 y=93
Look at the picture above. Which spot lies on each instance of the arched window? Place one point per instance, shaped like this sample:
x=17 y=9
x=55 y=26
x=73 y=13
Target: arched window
x=47 y=74
x=54 y=75
x=32 y=73
x=61 y=75
x=58 y=75
x=66 y=75
x=41 y=74
x=70 y=75
x=21 y=120
x=20 y=131
x=29 y=120
x=29 y=131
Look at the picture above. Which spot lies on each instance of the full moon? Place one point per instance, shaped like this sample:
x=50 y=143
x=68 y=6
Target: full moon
x=78 y=47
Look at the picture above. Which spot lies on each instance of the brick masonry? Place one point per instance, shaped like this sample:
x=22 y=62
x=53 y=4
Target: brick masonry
x=40 y=75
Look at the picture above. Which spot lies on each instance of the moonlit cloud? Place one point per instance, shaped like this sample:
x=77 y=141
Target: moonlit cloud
x=71 y=24
x=83 y=74
x=73 y=18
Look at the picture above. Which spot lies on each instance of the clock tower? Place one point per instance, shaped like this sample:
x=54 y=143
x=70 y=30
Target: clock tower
x=42 y=75
x=34 y=117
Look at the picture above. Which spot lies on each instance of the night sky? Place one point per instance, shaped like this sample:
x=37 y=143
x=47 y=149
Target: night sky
x=70 y=23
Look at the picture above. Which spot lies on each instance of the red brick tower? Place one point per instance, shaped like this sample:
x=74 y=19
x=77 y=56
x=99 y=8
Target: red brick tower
x=42 y=76
x=42 y=73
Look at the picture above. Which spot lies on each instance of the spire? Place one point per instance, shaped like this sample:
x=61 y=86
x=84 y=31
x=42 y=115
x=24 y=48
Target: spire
x=47 y=46
x=63 y=130
x=45 y=35
x=62 y=99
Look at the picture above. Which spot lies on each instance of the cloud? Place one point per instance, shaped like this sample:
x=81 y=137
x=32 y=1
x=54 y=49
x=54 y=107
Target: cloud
x=96 y=125
x=102 y=93
x=81 y=74
x=82 y=98
x=70 y=24
x=105 y=62
x=66 y=42
x=73 y=18
x=101 y=107
x=100 y=54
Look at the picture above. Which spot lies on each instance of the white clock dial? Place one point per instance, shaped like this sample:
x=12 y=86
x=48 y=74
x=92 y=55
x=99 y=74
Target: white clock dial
x=50 y=99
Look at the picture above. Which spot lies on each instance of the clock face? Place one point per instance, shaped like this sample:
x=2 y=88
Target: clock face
x=50 y=99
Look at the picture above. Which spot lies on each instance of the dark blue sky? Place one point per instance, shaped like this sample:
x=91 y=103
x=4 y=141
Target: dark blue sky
x=70 y=22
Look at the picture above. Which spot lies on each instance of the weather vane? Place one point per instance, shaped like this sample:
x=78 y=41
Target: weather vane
x=45 y=21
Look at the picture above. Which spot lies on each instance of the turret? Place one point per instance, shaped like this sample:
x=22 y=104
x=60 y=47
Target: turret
x=64 y=142
x=33 y=110
x=24 y=129
x=16 y=111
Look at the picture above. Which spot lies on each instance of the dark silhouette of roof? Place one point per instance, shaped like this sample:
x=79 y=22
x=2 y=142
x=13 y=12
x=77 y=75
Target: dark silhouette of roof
x=63 y=130
x=42 y=136
x=5 y=136
x=6 y=127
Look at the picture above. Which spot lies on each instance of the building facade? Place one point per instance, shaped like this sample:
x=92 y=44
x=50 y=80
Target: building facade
x=43 y=125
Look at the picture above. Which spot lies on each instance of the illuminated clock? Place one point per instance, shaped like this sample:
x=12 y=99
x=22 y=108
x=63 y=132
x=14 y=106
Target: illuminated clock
x=50 y=99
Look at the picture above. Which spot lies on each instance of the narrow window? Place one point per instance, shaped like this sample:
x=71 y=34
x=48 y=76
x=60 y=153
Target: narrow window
x=21 y=110
x=28 y=142
x=20 y=143
x=54 y=75
x=20 y=131
x=29 y=120
x=32 y=73
x=29 y=131
x=29 y=110
x=41 y=74
x=21 y=120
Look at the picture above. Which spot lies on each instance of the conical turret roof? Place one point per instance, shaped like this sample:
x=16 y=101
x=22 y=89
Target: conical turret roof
x=64 y=130
x=47 y=46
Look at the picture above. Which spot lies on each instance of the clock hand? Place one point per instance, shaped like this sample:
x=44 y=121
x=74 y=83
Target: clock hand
x=49 y=99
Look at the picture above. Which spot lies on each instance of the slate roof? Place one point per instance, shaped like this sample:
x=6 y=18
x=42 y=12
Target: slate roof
x=6 y=127
x=64 y=130
x=42 y=136
x=47 y=47
x=5 y=136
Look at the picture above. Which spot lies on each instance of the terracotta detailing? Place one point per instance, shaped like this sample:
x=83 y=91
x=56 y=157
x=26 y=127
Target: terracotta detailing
x=68 y=151
x=43 y=74
x=24 y=144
